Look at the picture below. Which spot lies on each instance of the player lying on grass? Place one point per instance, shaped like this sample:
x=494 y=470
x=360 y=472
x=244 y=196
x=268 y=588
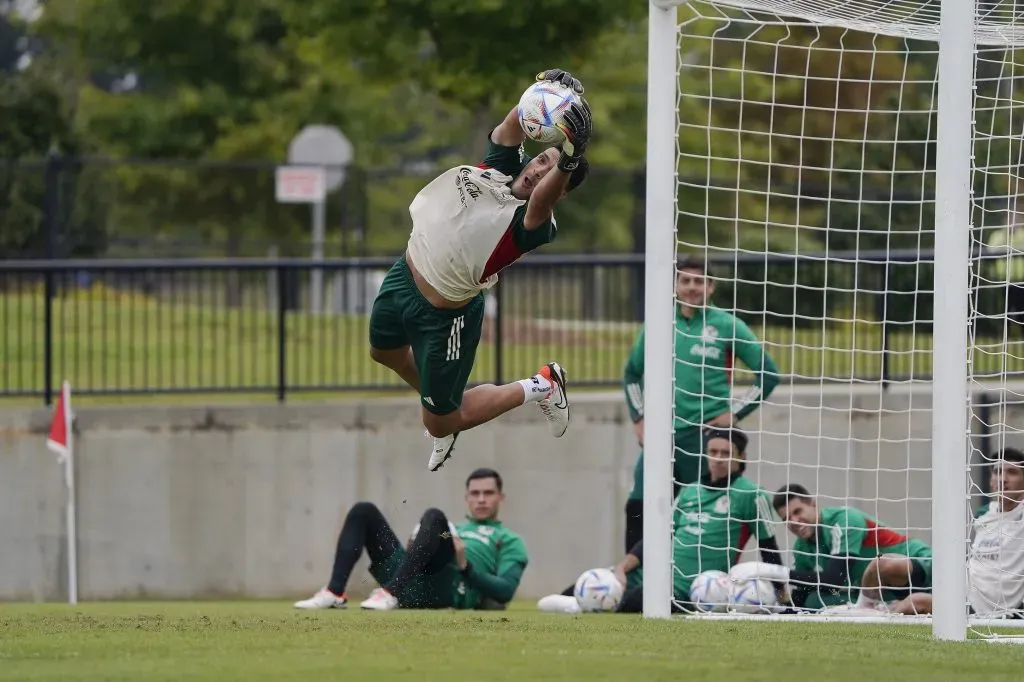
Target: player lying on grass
x=713 y=521
x=844 y=560
x=475 y=564
x=469 y=224
x=707 y=341
x=995 y=567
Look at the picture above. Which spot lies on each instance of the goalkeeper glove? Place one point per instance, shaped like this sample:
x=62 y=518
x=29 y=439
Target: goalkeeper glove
x=563 y=77
x=759 y=570
x=577 y=126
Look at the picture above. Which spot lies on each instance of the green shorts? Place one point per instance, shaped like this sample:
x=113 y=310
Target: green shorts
x=689 y=449
x=435 y=591
x=443 y=341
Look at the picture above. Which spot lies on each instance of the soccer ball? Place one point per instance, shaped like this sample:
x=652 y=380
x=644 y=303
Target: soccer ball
x=598 y=590
x=710 y=591
x=540 y=109
x=754 y=596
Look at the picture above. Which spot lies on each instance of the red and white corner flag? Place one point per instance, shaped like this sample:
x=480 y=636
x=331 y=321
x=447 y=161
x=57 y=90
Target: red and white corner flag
x=61 y=441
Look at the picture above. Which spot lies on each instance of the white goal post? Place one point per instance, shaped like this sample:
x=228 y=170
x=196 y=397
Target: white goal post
x=700 y=74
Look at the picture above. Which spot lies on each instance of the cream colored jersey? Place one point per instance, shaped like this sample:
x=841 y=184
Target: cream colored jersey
x=996 y=566
x=467 y=226
x=458 y=223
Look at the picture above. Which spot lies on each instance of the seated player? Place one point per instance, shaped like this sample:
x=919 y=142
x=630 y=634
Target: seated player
x=995 y=567
x=713 y=521
x=469 y=224
x=842 y=554
x=475 y=564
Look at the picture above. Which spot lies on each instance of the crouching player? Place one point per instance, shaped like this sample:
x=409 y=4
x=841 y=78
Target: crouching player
x=475 y=564
x=713 y=520
x=845 y=561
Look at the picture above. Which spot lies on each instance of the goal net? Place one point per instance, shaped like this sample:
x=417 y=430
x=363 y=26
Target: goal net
x=847 y=209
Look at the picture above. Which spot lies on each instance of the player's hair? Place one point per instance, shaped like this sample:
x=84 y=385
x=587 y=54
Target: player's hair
x=790 y=491
x=1012 y=455
x=484 y=472
x=693 y=262
x=578 y=175
x=738 y=438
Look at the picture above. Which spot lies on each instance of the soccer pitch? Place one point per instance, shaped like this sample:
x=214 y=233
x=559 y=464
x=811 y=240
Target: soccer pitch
x=271 y=641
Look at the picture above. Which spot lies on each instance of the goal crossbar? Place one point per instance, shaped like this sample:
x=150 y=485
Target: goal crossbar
x=914 y=19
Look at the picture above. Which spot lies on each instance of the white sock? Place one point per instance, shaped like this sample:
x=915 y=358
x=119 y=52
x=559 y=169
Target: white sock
x=865 y=601
x=535 y=389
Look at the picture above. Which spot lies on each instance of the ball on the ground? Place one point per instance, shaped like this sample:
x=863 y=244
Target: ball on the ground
x=541 y=108
x=598 y=590
x=754 y=596
x=710 y=591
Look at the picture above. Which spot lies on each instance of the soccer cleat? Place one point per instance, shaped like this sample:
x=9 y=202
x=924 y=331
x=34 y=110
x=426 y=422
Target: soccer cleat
x=324 y=599
x=559 y=603
x=380 y=600
x=556 y=406
x=442 y=451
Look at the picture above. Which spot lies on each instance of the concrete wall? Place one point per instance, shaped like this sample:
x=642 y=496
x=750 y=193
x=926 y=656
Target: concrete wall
x=228 y=501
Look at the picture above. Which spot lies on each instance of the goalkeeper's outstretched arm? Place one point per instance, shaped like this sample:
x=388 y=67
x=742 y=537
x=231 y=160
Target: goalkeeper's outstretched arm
x=509 y=133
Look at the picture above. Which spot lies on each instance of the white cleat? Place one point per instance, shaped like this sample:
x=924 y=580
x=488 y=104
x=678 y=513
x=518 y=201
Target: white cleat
x=559 y=603
x=556 y=406
x=380 y=600
x=442 y=451
x=324 y=599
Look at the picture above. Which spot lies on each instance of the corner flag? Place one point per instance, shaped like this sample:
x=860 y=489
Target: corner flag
x=60 y=441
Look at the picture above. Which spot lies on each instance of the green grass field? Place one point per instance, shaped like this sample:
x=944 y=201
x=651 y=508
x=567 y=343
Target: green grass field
x=271 y=641
x=105 y=341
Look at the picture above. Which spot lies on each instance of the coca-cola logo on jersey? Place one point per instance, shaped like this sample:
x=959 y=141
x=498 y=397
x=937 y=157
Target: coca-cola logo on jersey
x=463 y=181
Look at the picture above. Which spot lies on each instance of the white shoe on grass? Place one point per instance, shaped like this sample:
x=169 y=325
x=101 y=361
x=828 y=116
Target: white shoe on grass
x=380 y=600
x=559 y=603
x=324 y=599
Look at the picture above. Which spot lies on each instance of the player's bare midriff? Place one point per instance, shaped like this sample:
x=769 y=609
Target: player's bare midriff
x=433 y=298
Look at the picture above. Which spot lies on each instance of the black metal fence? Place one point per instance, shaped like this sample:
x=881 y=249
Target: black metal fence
x=130 y=327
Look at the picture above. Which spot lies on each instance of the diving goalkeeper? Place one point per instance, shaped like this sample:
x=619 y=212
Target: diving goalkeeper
x=475 y=564
x=469 y=224
x=707 y=340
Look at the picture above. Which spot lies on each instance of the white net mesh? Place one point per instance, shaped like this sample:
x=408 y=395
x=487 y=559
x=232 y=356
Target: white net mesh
x=806 y=178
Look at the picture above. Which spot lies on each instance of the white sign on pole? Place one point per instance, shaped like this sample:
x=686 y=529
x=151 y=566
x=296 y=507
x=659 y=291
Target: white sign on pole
x=322 y=144
x=300 y=184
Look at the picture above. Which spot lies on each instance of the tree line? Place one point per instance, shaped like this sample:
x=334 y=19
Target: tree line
x=792 y=138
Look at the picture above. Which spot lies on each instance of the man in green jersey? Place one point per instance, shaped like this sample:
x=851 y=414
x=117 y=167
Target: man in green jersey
x=844 y=558
x=475 y=564
x=707 y=341
x=712 y=523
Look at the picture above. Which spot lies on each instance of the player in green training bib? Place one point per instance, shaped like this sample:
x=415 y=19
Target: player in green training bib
x=713 y=522
x=845 y=558
x=708 y=340
x=476 y=564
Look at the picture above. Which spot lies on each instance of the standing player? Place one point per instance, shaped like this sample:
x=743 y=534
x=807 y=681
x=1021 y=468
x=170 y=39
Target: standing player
x=713 y=521
x=468 y=224
x=842 y=554
x=475 y=564
x=707 y=340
